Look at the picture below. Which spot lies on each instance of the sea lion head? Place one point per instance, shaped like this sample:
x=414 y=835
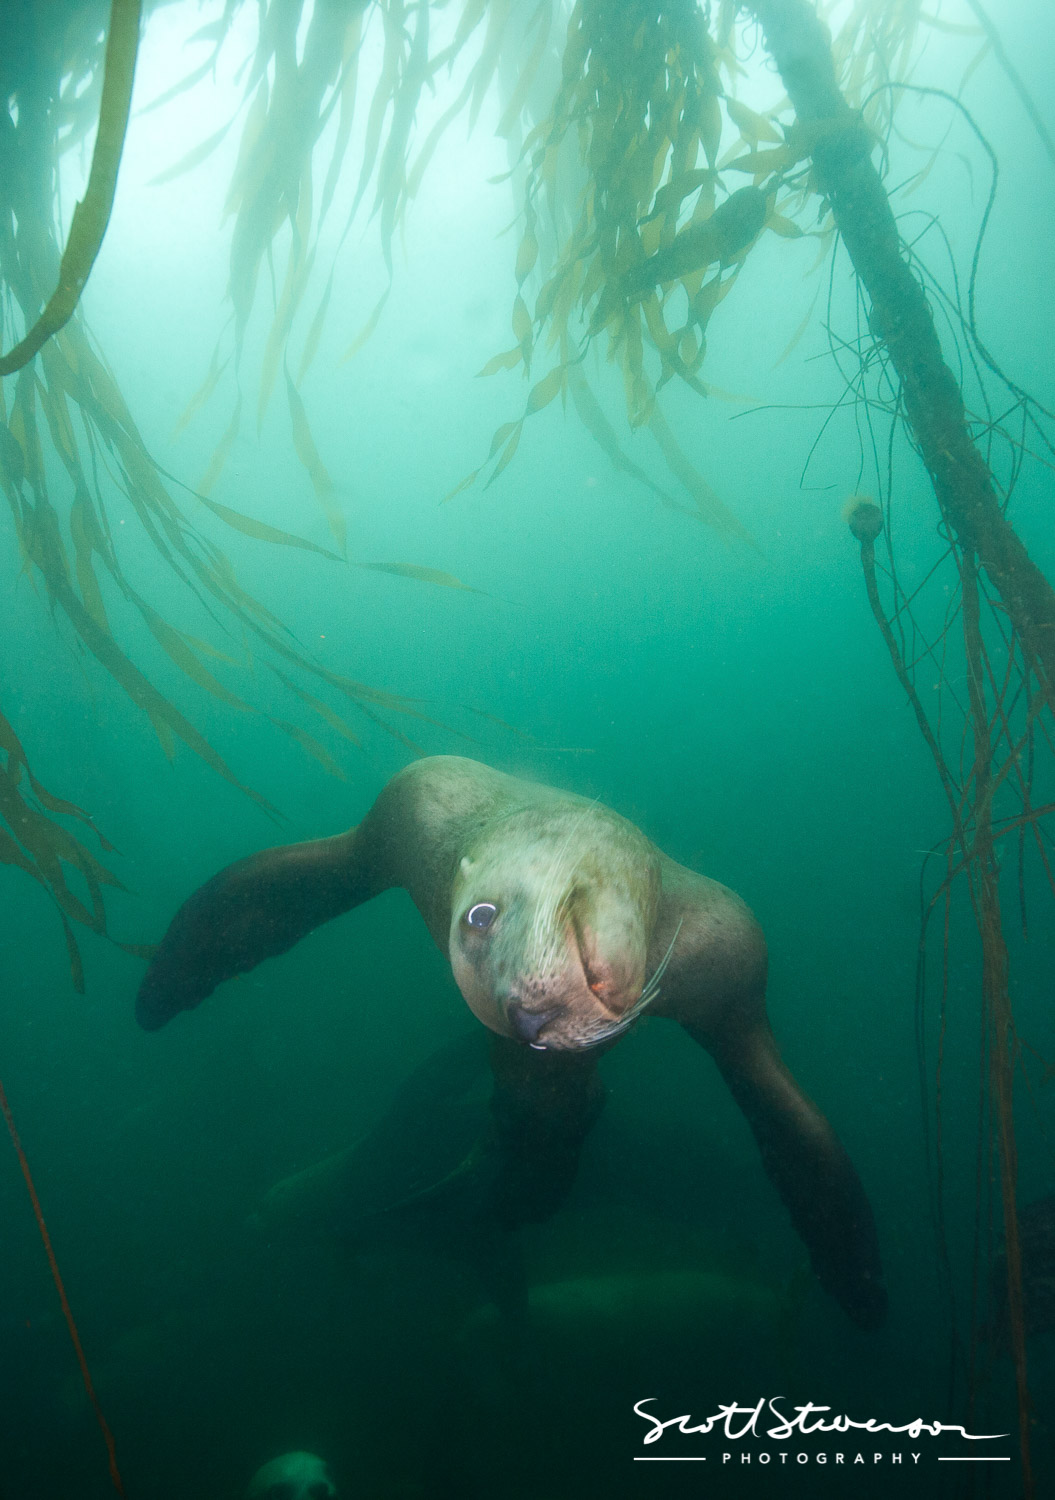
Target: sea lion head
x=553 y=908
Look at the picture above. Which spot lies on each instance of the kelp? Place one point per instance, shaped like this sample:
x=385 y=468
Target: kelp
x=67 y=402
x=71 y=454
x=659 y=225
x=988 y=776
x=289 y=100
x=1014 y=77
x=650 y=248
x=92 y=214
x=424 y=575
x=635 y=222
x=998 y=609
x=73 y=574
x=35 y=837
x=655 y=237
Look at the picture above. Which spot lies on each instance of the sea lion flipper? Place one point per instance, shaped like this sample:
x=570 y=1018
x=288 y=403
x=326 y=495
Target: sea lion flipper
x=252 y=910
x=810 y=1169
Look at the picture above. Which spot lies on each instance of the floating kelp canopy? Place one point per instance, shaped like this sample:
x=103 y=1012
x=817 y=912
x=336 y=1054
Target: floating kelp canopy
x=642 y=182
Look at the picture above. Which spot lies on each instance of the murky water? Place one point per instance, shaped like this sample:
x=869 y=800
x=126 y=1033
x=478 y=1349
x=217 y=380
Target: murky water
x=734 y=700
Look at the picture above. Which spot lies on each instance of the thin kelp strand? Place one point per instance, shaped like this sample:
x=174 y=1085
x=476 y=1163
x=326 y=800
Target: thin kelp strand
x=392 y=174
x=12 y=747
x=322 y=708
x=261 y=531
x=308 y=454
x=424 y=575
x=347 y=86
x=194 y=157
x=202 y=394
x=384 y=93
x=311 y=341
x=44 y=844
x=298 y=271
x=67 y=1311
x=221 y=452
x=542 y=21
x=311 y=745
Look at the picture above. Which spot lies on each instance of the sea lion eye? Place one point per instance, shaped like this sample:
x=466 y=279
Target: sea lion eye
x=481 y=915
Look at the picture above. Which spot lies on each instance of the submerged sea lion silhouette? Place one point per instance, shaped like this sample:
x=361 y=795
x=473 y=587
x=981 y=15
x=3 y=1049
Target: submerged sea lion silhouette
x=562 y=922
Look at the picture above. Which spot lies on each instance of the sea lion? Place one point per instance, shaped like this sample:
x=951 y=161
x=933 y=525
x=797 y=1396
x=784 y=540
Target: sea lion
x=562 y=922
x=294 y=1476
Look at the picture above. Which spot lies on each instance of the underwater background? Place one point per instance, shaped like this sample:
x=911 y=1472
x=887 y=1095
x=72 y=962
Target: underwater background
x=733 y=699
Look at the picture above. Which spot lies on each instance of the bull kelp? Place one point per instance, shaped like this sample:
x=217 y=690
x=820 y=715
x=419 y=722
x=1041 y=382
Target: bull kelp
x=666 y=166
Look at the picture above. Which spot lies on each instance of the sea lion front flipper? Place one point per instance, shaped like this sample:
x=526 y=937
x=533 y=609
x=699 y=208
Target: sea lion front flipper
x=810 y=1169
x=252 y=910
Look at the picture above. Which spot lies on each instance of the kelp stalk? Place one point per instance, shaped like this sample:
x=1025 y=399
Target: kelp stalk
x=56 y=1276
x=982 y=868
x=1014 y=77
x=985 y=895
x=92 y=214
x=901 y=319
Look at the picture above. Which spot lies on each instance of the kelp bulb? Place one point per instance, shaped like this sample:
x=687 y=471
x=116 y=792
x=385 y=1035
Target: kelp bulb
x=863 y=517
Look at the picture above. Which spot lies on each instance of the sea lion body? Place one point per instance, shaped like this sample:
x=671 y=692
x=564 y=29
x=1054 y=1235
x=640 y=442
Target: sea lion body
x=561 y=921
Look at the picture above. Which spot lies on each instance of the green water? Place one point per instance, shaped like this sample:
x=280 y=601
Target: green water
x=735 y=702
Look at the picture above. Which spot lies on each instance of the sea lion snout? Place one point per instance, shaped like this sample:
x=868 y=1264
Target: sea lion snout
x=551 y=914
x=527 y=1024
x=559 y=987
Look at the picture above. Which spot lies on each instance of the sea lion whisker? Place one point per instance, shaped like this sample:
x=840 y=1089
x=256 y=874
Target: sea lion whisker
x=661 y=967
x=645 y=999
x=648 y=994
x=651 y=989
x=603 y=1035
x=642 y=1004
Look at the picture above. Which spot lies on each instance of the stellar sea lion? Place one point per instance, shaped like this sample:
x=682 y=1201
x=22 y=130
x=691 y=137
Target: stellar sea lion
x=562 y=923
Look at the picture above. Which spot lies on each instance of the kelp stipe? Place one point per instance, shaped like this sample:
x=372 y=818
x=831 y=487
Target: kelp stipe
x=1003 y=661
x=67 y=1311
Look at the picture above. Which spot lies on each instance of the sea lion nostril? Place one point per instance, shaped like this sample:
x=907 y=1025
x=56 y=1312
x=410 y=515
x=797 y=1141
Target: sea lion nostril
x=527 y=1024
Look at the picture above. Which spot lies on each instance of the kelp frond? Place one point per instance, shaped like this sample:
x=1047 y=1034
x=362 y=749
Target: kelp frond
x=650 y=240
x=289 y=101
x=36 y=839
x=64 y=404
x=636 y=218
x=92 y=214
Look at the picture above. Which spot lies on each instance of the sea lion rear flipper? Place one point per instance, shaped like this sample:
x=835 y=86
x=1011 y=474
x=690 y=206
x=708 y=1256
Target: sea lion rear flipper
x=810 y=1169
x=252 y=910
